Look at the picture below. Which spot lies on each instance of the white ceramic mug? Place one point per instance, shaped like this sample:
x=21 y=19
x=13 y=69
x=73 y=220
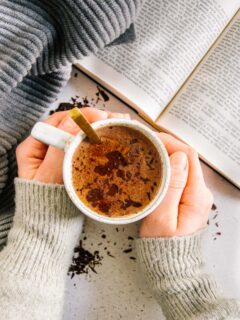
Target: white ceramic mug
x=69 y=143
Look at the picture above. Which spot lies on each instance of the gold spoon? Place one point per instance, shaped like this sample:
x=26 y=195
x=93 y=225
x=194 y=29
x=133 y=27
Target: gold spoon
x=83 y=123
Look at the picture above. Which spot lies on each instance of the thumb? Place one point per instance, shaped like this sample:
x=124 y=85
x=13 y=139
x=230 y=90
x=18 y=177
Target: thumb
x=165 y=217
x=178 y=180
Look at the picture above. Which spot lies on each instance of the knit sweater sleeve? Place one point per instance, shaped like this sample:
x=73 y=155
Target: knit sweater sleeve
x=173 y=267
x=43 y=36
x=39 y=40
x=34 y=264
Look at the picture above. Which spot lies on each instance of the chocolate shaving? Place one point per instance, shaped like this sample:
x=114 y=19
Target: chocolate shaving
x=103 y=94
x=110 y=255
x=129 y=202
x=214 y=207
x=127 y=250
x=83 y=261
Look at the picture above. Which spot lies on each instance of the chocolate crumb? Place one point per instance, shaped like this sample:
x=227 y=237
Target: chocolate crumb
x=130 y=238
x=104 y=207
x=83 y=261
x=215 y=216
x=218 y=233
x=127 y=250
x=113 y=190
x=103 y=94
x=214 y=207
x=132 y=258
x=75 y=75
x=110 y=255
x=103 y=236
x=85 y=100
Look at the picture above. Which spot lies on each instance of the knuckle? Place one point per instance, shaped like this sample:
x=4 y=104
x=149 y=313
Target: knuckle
x=192 y=152
x=209 y=196
x=177 y=183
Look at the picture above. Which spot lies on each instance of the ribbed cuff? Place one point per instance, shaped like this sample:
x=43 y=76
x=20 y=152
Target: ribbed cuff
x=171 y=256
x=46 y=227
x=173 y=267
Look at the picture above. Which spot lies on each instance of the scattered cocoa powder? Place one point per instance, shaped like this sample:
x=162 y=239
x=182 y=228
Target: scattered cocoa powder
x=83 y=261
x=82 y=102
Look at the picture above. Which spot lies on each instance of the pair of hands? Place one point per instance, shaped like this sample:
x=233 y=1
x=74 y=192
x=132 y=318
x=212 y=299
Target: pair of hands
x=186 y=205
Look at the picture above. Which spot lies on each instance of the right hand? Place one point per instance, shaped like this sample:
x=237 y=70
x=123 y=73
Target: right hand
x=185 y=208
x=37 y=161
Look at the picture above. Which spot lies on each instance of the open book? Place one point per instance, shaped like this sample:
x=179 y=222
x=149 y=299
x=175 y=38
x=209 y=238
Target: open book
x=182 y=74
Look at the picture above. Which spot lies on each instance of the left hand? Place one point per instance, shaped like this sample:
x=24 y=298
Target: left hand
x=37 y=161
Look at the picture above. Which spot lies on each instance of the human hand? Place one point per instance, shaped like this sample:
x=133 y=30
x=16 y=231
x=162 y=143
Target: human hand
x=37 y=161
x=186 y=206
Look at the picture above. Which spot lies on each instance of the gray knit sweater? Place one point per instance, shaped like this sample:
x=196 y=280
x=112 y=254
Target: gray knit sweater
x=39 y=39
x=34 y=264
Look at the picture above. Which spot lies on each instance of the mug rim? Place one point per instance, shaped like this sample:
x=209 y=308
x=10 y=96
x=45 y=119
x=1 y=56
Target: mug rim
x=71 y=147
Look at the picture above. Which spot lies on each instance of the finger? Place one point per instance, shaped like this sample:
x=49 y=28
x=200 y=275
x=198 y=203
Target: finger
x=167 y=211
x=31 y=148
x=178 y=180
x=174 y=145
x=53 y=161
x=93 y=114
x=179 y=173
x=69 y=125
x=36 y=146
x=118 y=115
x=56 y=118
x=90 y=113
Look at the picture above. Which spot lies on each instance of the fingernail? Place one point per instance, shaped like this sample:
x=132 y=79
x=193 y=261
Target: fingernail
x=69 y=124
x=179 y=160
x=127 y=116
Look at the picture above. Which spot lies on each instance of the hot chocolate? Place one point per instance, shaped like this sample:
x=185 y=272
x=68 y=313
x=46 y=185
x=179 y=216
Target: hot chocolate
x=121 y=175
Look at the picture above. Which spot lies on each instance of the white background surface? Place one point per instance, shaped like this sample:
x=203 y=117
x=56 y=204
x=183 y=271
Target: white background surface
x=118 y=290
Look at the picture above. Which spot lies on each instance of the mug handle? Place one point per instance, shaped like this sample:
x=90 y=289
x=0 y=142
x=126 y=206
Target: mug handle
x=51 y=135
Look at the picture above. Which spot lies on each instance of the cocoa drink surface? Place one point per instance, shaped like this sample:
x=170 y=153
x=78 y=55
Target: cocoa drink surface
x=120 y=176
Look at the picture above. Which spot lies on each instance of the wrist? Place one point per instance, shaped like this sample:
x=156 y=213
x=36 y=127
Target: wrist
x=171 y=256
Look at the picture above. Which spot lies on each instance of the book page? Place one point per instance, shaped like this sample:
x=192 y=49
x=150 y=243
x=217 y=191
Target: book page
x=207 y=113
x=172 y=36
